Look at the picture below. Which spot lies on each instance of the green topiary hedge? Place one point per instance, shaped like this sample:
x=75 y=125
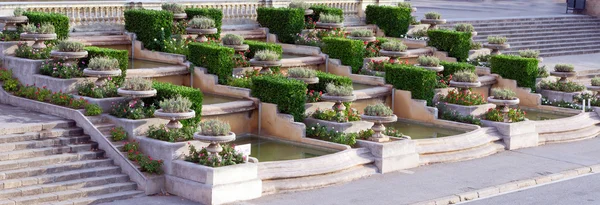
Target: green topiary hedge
x=523 y=70
x=393 y=20
x=349 y=51
x=289 y=95
x=59 y=21
x=169 y=90
x=215 y=14
x=217 y=59
x=420 y=82
x=257 y=46
x=121 y=55
x=451 y=68
x=456 y=43
x=318 y=9
x=326 y=78
x=284 y=22
x=150 y=26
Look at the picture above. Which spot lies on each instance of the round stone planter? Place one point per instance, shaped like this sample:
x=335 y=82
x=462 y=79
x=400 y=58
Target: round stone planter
x=102 y=75
x=179 y=16
x=329 y=25
x=38 y=38
x=364 y=39
x=339 y=100
x=594 y=89
x=465 y=85
x=174 y=117
x=496 y=48
x=413 y=9
x=264 y=64
x=308 y=12
x=393 y=54
x=563 y=75
x=238 y=48
x=201 y=33
x=136 y=94
x=314 y=80
x=504 y=105
x=69 y=57
x=433 y=68
x=378 y=127
x=10 y=22
x=433 y=22
x=215 y=141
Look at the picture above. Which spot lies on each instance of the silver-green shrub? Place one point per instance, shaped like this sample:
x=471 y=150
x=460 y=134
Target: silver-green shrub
x=596 y=81
x=404 y=5
x=503 y=94
x=45 y=28
x=464 y=76
x=137 y=84
x=266 y=55
x=214 y=128
x=334 y=90
x=430 y=61
x=361 y=33
x=378 y=109
x=394 y=46
x=433 y=15
x=297 y=4
x=18 y=12
x=173 y=8
x=564 y=68
x=419 y=33
x=301 y=73
x=496 y=39
x=103 y=64
x=177 y=104
x=201 y=22
x=464 y=27
x=232 y=39
x=69 y=46
x=529 y=53
x=328 y=18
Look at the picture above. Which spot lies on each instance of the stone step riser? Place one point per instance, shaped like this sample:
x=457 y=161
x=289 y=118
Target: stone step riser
x=24 y=154
x=67 y=195
x=501 y=31
x=54 y=169
x=556 y=49
x=521 y=23
x=526 y=43
x=8 y=147
x=555 y=27
x=553 y=46
x=561 y=34
x=543 y=38
x=43 y=161
x=63 y=186
x=581 y=17
x=66 y=132
x=102 y=198
x=61 y=177
x=578 y=52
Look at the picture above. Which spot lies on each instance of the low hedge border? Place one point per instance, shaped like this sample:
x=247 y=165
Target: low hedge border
x=450 y=67
x=215 y=14
x=168 y=90
x=420 y=82
x=349 y=51
x=289 y=95
x=285 y=22
x=121 y=55
x=393 y=20
x=59 y=21
x=456 y=43
x=149 y=25
x=523 y=70
x=326 y=78
x=257 y=46
x=217 y=59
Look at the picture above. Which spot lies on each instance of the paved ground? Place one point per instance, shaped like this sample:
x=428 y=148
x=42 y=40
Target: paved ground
x=478 y=9
x=581 y=62
x=154 y=200
x=13 y=118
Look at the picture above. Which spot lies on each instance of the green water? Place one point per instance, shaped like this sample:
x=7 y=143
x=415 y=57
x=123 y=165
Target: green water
x=137 y=64
x=536 y=115
x=266 y=150
x=358 y=86
x=418 y=131
x=209 y=99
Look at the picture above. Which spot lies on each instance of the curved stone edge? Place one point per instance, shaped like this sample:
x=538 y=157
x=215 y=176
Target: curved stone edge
x=573 y=123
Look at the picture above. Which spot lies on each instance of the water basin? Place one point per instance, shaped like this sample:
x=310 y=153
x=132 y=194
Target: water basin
x=209 y=99
x=419 y=131
x=137 y=64
x=266 y=150
x=537 y=115
x=358 y=86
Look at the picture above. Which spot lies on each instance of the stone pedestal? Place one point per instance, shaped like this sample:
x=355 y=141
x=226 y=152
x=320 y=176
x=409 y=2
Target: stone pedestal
x=516 y=135
x=393 y=155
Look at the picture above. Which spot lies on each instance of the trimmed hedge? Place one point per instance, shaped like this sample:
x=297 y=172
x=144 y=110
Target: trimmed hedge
x=121 y=55
x=168 y=90
x=450 y=68
x=393 y=20
x=326 y=78
x=284 y=22
x=456 y=43
x=148 y=25
x=523 y=70
x=420 y=82
x=215 y=14
x=258 y=45
x=59 y=21
x=289 y=95
x=349 y=51
x=318 y=9
x=217 y=59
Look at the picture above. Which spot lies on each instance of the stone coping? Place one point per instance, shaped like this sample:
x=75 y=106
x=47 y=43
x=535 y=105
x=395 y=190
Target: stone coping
x=209 y=83
x=580 y=121
x=58 y=84
x=166 y=151
x=552 y=95
x=300 y=49
x=228 y=107
x=465 y=141
x=23 y=68
x=513 y=128
x=475 y=110
x=135 y=127
x=374 y=92
x=302 y=61
x=158 y=72
x=345 y=127
x=215 y=175
x=412 y=44
x=141 y=53
x=104 y=103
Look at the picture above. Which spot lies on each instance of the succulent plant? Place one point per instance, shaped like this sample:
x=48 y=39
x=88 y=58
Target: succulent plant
x=45 y=28
x=334 y=90
x=329 y=18
x=404 y=5
x=464 y=27
x=297 y=4
x=361 y=33
x=232 y=39
x=266 y=55
x=69 y=46
x=18 y=12
x=419 y=33
x=137 y=84
x=177 y=104
x=433 y=15
x=596 y=81
x=378 y=109
x=529 y=53
x=475 y=45
x=465 y=76
x=173 y=8
x=503 y=94
x=564 y=68
x=430 y=61
x=496 y=39
x=301 y=73
x=214 y=128
x=201 y=22
x=103 y=64
x=394 y=46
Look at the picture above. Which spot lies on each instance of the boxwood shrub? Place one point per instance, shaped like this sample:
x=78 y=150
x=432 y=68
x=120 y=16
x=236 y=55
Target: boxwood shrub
x=215 y=14
x=318 y=9
x=450 y=67
x=169 y=90
x=456 y=43
x=121 y=55
x=59 y=21
x=285 y=22
x=523 y=70
x=326 y=78
x=217 y=59
x=148 y=25
x=420 y=82
x=393 y=20
x=349 y=51
x=289 y=95
x=257 y=46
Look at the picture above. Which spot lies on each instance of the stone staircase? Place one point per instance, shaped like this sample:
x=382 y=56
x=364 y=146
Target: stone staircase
x=552 y=36
x=59 y=165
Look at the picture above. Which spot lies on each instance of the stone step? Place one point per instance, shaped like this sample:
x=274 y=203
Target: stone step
x=36 y=127
x=54 y=168
x=13 y=146
x=97 y=119
x=46 y=151
x=581 y=134
x=60 y=177
x=73 y=194
x=27 y=136
x=546 y=34
x=462 y=155
x=47 y=160
x=570 y=52
x=552 y=25
x=544 y=52
x=63 y=186
x=519 y=29
x=542 y=42
x=101 y=198
x=523 y=22
x=102 y=127
x=558 y=44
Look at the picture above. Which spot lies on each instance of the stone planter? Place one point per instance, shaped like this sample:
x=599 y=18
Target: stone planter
x=475 y=110
x=174 y=118
x=215 y=141
x=553 y=95
x=563 y=75
x=136 y=94
x=38 y=38
x=179 y=16
x=329 y=25
x=168 y=152
x=365 y=39
x=516 y=135
x=504 y=105
x=104 y=103
x=464 y=85
x=102 y=75
x=594 y=89
x=308 y=12
x=433 y=22
x=69 y=57
x=339 y=100
x=265 y=65
x=201 y=33
x=238 y=48
x=496 y=48
x=23 y=68
x=378 y=126
x=393 y=54
x=314 y=80
x=136 y=127
x=437 y=69
x=10 y=22
x=57 y=84
x=345 y=127
x=394 y=155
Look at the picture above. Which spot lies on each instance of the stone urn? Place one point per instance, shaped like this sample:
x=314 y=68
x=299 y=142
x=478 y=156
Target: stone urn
x=393 y=54
x=201 y=33
x=329 y=26
x=314 y=80
x=378 y=127
x=102 y=75
x=238 y=48
x=264 y=64
x=136 y=94
x=433 y=22
x=563 y=75
x=10 y=22
x=464 y=85
x=496 y=48
x=339 y=101
x=215 y=142
x=39 y=39
x=174 y=118
x=503 y=105
x=364 y=39
x=308 y=12
x=179 y=16
x=593 y=88
x=69 y=57
x=437 y=69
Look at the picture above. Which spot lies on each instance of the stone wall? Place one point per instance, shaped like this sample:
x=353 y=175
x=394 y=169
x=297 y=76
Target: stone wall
x=592 y=8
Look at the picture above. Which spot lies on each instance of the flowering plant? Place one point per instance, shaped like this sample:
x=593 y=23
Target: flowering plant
x=132 y=110
x=90 y=89
x=349 y=115
x=61 y=69
x=118 y=133
x=514 y=115
x=25 y=51
x=229 y=156
x=177 y=135
x=442 y=80
x=464 y=97
x=310 y=23
x=312 y=96
x=331 y=135
x=240 y=60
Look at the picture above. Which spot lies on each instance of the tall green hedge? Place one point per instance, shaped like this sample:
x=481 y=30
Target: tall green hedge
x=257 y=46
x=168 y=90
x=149 y=25
x=523 y=70
x=289 y=95
x=326 y=78
x=349 y=51
x=215 y=14
x=393 y=20
x=450 y=67
x=318 y=9
x=285 y=22
x=420 y=82
x=59 y=21
x=217 y=59
x=456 y=43
x=121 y=55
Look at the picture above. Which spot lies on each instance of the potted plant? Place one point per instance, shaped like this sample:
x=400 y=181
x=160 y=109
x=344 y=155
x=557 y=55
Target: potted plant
x=467 y=28
x=306 y=75
x=136 y=88
x=339 y=95
x=595 y=87
x=496 y=43
x=177 y=10
x=430 y=63
x=407 y=5
x=10 y=22
x=214 y=132
x=393 y=49
x=329 y=21
x=503 y=98
x=465 y=80
x=202 y=26
x=297 y=4
x=69 y=51
x=175 y=109
x=528 y=53
x=379 y=113
x=236 y=42
x=363 y=35
x=102 y=68
x=265 y=59
x=45 y=32
x=433 y=19
x=563 y=71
